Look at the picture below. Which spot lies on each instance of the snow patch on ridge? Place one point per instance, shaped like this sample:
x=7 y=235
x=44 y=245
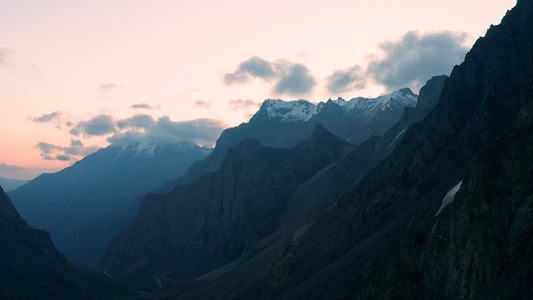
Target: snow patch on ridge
x=449 y=197
x=290 y=111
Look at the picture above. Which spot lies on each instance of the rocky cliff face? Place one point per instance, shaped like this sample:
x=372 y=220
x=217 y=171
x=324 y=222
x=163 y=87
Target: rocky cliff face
x=32 y=268
x=222 y=215
x=477 y=245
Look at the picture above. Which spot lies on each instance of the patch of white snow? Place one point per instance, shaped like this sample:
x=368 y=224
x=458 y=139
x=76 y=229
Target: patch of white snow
x=395 y=138
x=449 y=197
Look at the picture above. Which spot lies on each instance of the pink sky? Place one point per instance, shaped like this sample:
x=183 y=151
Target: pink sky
x=67 y=68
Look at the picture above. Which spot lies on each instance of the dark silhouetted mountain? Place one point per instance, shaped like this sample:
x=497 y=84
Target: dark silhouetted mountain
x=11 y=184
x=283 y=124
x=85 y=205
x=393 y=236
x=221 y=216
x=32 y=268
x=361 y=248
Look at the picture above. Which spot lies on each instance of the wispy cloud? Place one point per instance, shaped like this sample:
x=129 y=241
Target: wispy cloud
x=145 y=106
x=140 y=128
x=143 y=128
x=104 y=88
x=5 y=57
x=240 y=104
x=287 y=77
x=5 y=167
x=74 y=152
x=201 y=104
x=47 y=117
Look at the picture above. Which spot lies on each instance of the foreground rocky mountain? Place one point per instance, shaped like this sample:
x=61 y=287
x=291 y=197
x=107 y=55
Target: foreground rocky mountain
x=388 y=238
x=32 y=268
x=283 y=124
x=85 y=205
x=220 y=216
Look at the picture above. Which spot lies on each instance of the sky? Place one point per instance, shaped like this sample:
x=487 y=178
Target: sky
x=76 y=76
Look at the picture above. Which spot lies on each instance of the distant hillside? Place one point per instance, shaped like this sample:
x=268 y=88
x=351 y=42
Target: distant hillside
x=32 y=268
x=85 y=205
x=11 y=184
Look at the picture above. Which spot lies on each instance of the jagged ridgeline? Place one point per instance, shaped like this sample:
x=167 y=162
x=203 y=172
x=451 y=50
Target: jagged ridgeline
x=272 y=224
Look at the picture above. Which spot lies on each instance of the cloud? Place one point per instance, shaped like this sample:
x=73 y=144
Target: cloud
x=200 y=131
x=416 y=57
x=201 y=104
x=74 y=152
x=240 y=104
x=104 y=88
x=99 y=125
x=287 y=77
x=346 y=80
x=144 y=106
x=47 y=117
x=252 y=67
x=298 y=81
x=74 y=142
x=4 y=167
x=136 y=122
x=48 y=148
x=5 y=57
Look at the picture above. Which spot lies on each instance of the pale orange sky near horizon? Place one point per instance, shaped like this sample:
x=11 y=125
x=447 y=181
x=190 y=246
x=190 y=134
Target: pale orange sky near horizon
x=63 y=63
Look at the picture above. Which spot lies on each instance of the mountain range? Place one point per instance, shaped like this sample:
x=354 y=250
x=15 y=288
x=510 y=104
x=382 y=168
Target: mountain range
x=313 y=202
x=85 y=205
x=389 y=237
x=283 y=124
x=11 y=184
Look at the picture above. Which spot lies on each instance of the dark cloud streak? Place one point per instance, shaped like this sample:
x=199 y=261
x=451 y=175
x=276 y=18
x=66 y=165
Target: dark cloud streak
x=145 y=106
x=47 y=117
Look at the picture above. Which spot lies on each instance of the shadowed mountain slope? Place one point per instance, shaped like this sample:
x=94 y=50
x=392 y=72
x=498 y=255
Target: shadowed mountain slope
x=32 y=268
x=85 y=205
x=221 y=216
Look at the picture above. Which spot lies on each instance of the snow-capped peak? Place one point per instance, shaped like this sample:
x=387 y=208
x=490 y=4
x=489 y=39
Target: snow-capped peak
x=370 y=106
x=289 y=111
x=302 y=110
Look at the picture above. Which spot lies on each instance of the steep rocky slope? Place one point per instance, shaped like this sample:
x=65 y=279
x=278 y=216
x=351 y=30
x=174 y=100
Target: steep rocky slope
x=480 y=101
x=222 y=215
x=32 y=268
x=384 y=240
